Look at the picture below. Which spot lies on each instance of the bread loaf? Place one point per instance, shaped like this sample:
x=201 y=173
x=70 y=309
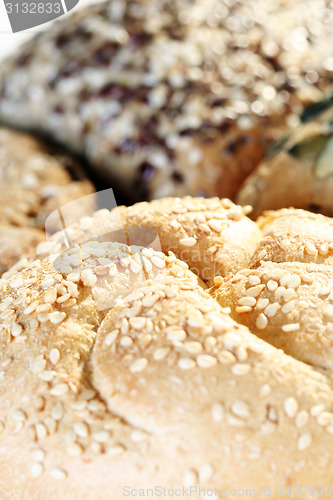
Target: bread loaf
x=297 y=170
x=169 y=98
x=34 y=182
x=121 y=371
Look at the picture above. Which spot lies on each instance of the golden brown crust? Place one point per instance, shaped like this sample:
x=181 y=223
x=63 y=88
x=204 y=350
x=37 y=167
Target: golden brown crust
x=125 y=369
x=298 y=174
x=34 y=183
x=291 y=235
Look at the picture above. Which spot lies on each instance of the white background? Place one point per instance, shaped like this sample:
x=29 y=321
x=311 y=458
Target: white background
x=10 y=41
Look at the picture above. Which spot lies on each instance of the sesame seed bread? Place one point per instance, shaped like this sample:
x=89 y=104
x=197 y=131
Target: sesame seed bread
x=16 y=242
x=120 y=368
x=298 y=169
x=170 y=98
x=213 y=236
x=34 y=182
x=294 y=235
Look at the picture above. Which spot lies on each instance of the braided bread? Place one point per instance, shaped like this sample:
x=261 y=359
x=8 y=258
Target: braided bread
x=121 y=371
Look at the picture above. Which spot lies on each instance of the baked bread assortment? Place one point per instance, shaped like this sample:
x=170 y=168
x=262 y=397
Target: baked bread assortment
x=121 y=371
x=298 y=169
x=33 y=184
x=172 y=98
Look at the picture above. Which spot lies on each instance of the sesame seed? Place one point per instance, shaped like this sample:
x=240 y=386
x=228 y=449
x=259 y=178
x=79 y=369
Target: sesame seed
x=59 y=389
x=134 y=266
x=291 y=327
x=254 y=280
x=111 y=337
x=19 y=415
x=16 y=329
x=254 y=291
x=38 y=455
x=101 y=436
x=304 y=441
x=161 y=353
x=137 y=436
x=158 y=262
x=261 y=322
x=58 y=474
x=310 y=248
x=261 y=304
x=272 y=285
x=193 y=347
x=31 y=308
x=290 y=280
x=241 y=353
x=37 y=470
x=88 y=278
x=240 y=409
x=176 y=335
x=240 y=369
x=316 y=410
x=206 y=472
x=188 y=242
x=126 y=341
x=285 y=243
x=186 y=363
x=206 y=361
x=137 y=323
x=288 y=307
x=247 y=301
x=63 y=298
x=289 y=294
x=243 y=309
x=325 y=418
x=139 y=365
x=190 y=478
x=81 y=429
x=57 y=412
x=302 y=419
x=41 y=430
x=54 y=356
x=50 y=295
x=226 y=357
x=38 y=364
x=272 y=309
x=150 y=300
x=265 y=391
x=57 y=317
x=290 y=407
x=217 y=412
x=215 y=225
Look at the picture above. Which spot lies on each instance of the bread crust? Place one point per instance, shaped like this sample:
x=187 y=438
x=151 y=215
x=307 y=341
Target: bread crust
x=158 y=384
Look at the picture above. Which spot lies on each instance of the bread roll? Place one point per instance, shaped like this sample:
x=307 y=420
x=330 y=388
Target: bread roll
x=162 y=389
x=288 y=305
x=34 y=182
x=170 y=98
x=214 y=237
x=121 y=372
x=291 y=235
x=297 y=171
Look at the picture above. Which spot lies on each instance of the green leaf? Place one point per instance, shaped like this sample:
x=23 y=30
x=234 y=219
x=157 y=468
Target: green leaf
x=309 y=147
x=323 y=167
x=314 y=110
